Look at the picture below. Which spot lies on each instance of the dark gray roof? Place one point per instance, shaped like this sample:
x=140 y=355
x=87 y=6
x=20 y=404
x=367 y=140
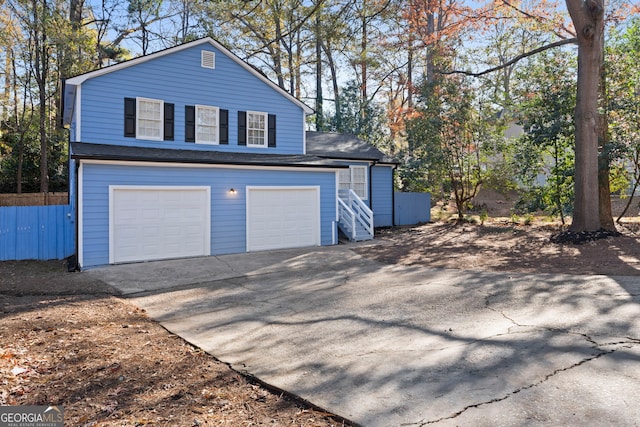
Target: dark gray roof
x=81 y=150
x=333 y=145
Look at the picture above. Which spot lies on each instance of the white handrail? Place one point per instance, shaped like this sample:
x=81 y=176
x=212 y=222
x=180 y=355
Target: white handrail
x=345 y=213
x=354 y=215
x=365 y=215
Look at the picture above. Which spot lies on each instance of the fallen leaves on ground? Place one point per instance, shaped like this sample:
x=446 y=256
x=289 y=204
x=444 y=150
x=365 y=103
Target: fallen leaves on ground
x=107 y=364
x=502 y=246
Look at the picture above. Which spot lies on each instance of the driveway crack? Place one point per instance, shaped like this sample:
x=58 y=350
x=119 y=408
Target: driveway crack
x=628 y=344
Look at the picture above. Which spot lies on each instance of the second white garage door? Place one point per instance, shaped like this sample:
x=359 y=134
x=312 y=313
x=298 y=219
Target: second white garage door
x=282 y=217
x=150 y=223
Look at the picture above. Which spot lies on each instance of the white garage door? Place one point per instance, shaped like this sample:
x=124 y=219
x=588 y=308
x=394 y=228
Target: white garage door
x=282 y=217
x=150 y=223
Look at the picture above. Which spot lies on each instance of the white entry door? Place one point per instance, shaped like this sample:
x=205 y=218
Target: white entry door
x=282 y=217
x=152 y=223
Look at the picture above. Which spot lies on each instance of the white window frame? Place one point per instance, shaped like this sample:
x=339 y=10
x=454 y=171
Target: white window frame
x=159 y=121
x=344 y=179
x=216 y=126
x=351 y=174
x=265 y=138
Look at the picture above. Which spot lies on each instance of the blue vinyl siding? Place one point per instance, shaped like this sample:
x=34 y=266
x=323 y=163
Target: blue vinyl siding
x=380 y=188
x=179 y=79
x=228 y=212
x=382 y=195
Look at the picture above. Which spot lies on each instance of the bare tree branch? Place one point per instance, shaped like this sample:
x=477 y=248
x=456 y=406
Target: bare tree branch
x=514 y=60
x=537 y=19
x=289 y=31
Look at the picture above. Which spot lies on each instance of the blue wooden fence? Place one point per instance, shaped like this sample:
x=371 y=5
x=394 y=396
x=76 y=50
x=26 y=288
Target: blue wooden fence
x=36 y=232
x=411 y=208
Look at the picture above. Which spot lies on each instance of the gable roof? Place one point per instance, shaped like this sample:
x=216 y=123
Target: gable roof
x=81 y=78
x=344 y=146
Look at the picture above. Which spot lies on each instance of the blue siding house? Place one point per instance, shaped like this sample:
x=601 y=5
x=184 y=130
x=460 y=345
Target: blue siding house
x=192 y=152
x=370 y=172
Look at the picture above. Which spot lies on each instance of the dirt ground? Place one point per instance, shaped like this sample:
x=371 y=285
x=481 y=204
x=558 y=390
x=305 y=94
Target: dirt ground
x=501 y=245
x=65 y=340
x=509 y=242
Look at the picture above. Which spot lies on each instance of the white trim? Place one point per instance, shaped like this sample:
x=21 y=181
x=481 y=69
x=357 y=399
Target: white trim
x=80 y=206
x=78 y=80
x=333 y=232
x=206 y=165
x=217 y=113
x=265 y=139
x=351 y=173
x=352 y=169
x=138 y=118
x=248 y=189
x=111 y=225
x=112 y=188
x=282 y=187
x=304 y=135
x=344 y=178
x=337 y=194
x=78 y=113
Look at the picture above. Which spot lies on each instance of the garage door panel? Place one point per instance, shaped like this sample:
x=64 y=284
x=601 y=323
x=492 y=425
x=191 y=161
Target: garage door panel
x=159 y=223
x=283 y=217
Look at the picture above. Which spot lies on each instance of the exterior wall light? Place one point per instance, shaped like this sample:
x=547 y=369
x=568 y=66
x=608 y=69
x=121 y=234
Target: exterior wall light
x=232 y=191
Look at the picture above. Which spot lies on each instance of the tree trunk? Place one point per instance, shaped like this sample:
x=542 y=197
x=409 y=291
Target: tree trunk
x=11 y=83
x=44 y=167
x=558 y=191
x=604 y=194
x=8 y=77
x=75 y=13
x=334 y=82
x=297 y=72
x=277 y=52
x=410 y=48
x=20 y=161
x=319 y=100
x=41 y=68
x=604 y=159
x=185 y=14
x=431 y=31
x=588 y=20
x=363 y=55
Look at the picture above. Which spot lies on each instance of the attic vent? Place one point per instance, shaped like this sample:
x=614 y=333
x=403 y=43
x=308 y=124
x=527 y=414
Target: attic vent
x=208 y=59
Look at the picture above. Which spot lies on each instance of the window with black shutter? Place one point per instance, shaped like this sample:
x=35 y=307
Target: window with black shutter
x=148 y=119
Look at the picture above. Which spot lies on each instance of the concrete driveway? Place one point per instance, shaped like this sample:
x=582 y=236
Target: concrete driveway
x=385 y=345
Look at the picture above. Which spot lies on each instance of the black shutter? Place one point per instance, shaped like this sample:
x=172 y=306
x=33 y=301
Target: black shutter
x=224 y=126
x=190 y=123
x=168 y=122
x=272 y=130
x=242 y=128
x=130 y=117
